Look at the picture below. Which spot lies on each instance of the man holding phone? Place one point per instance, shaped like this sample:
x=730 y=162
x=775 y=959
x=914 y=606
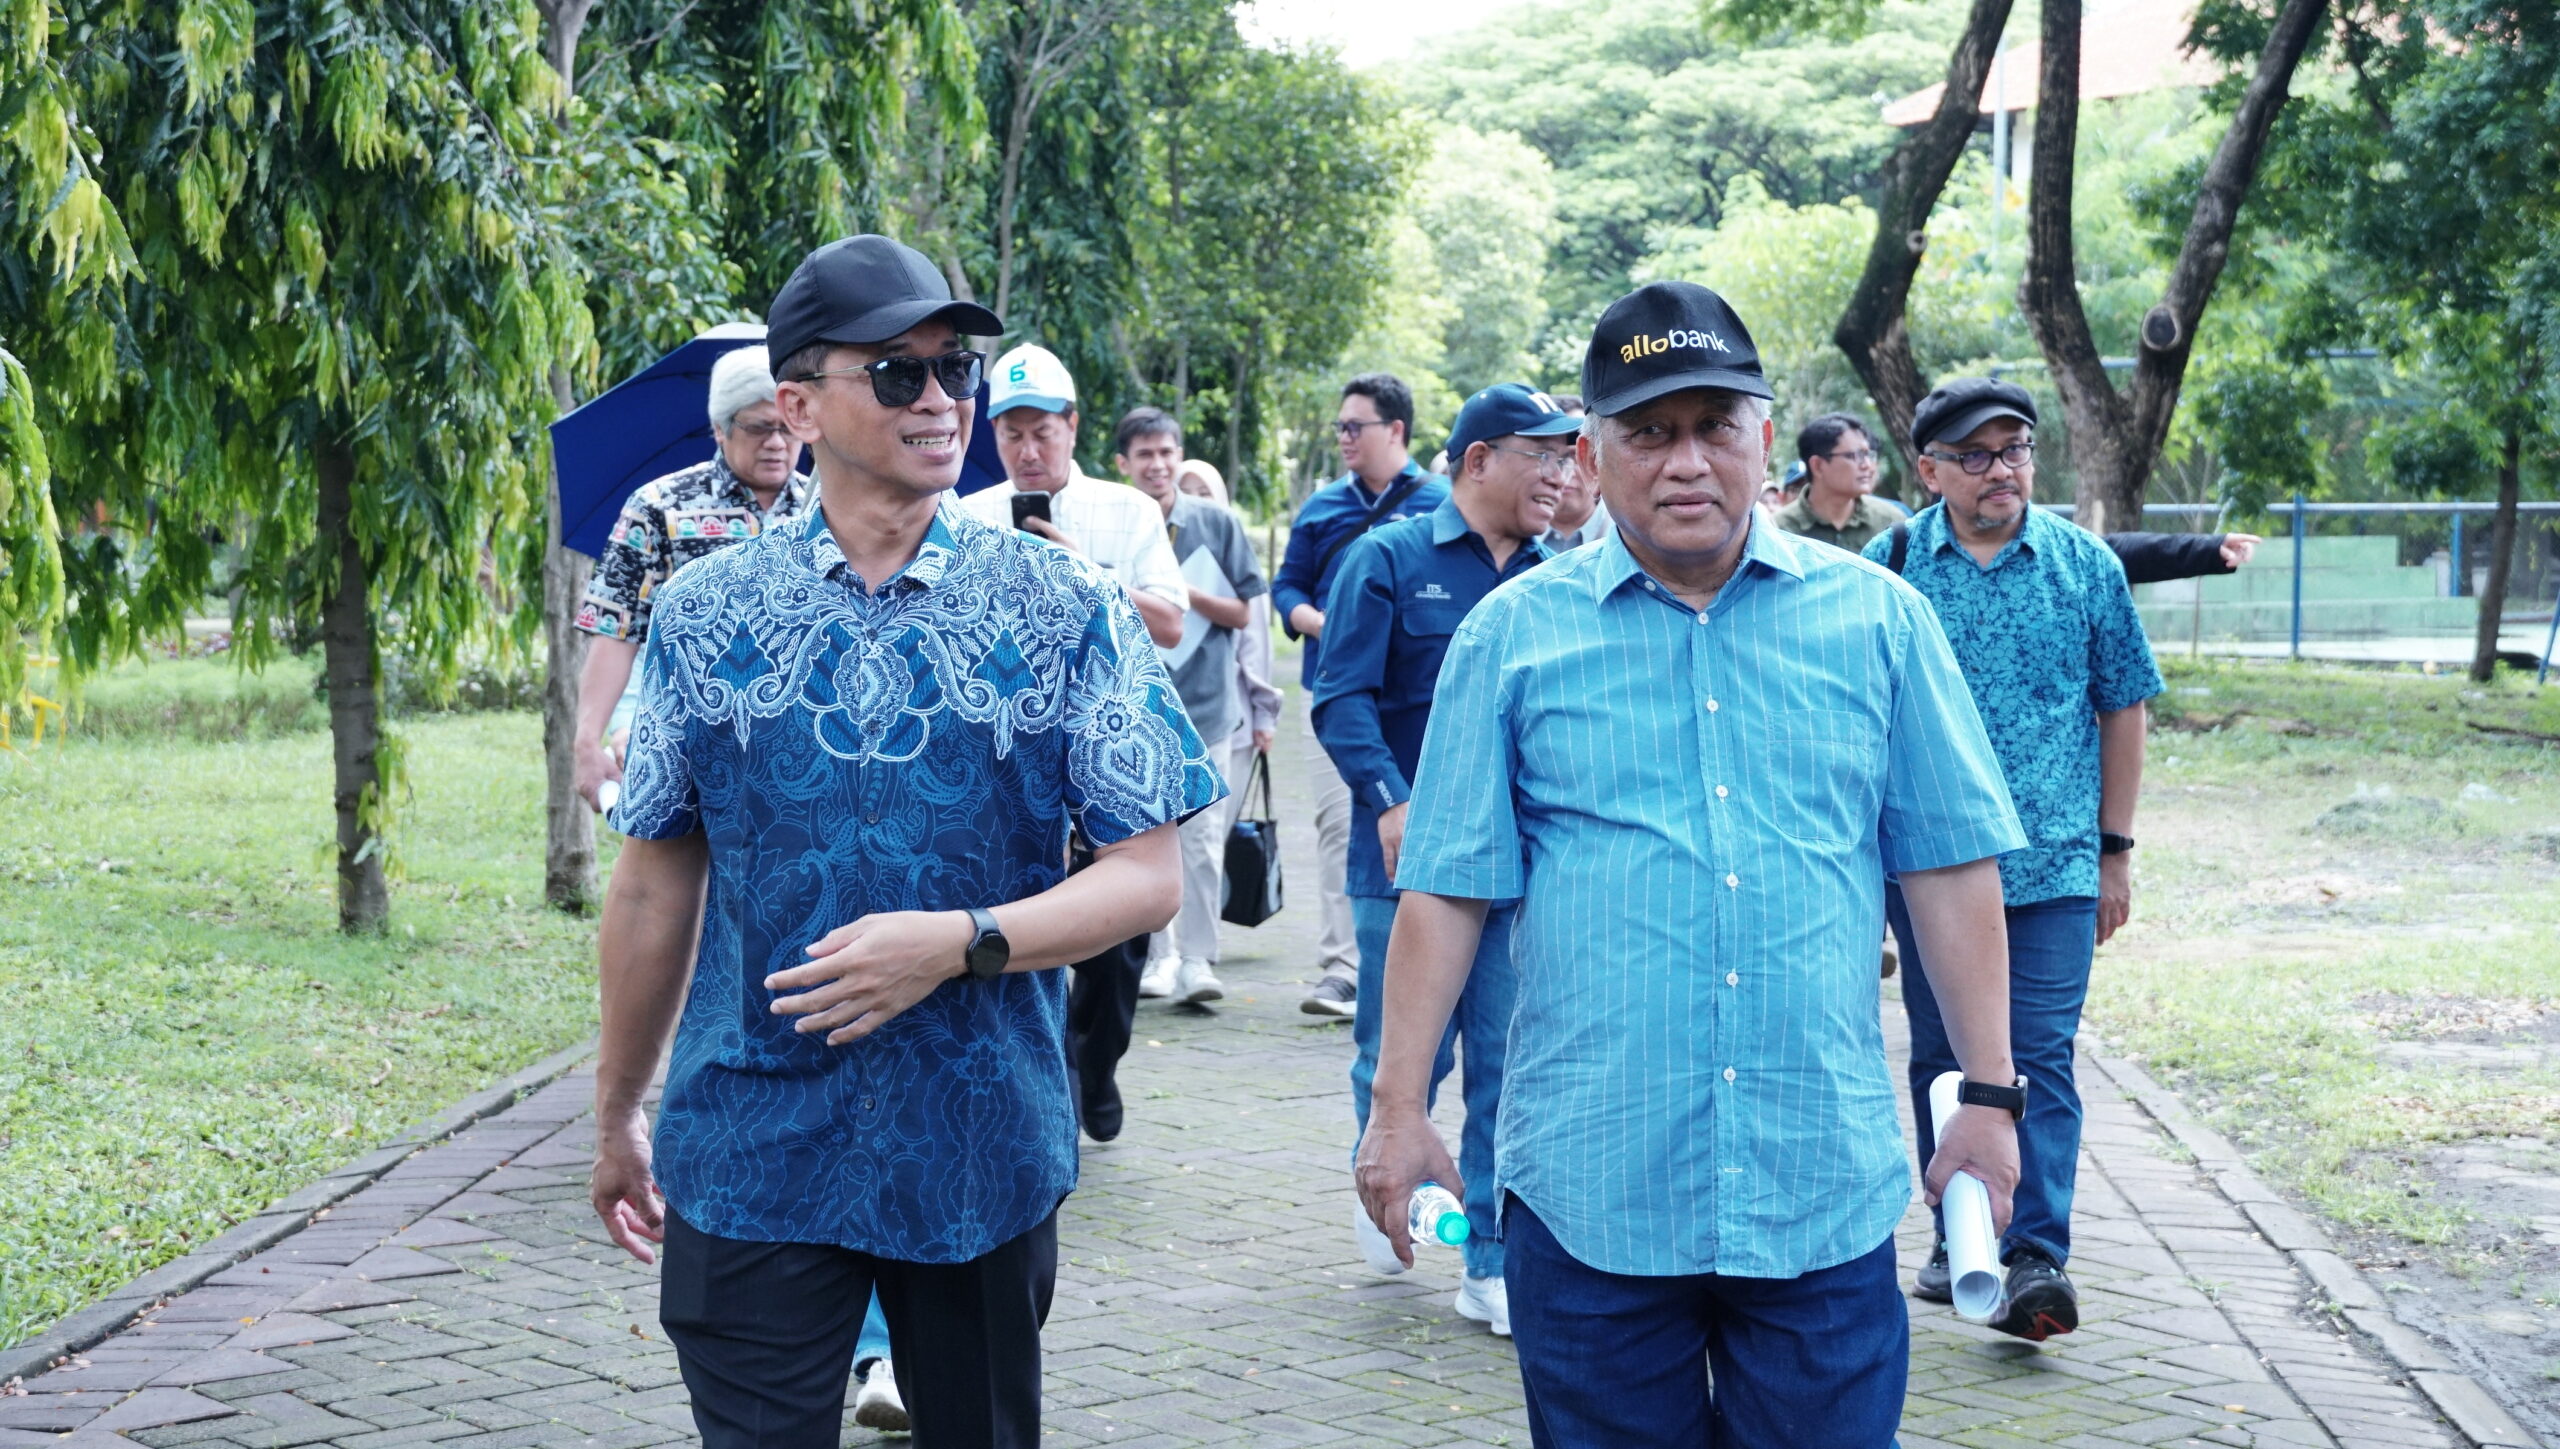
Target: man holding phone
x=1031 y=399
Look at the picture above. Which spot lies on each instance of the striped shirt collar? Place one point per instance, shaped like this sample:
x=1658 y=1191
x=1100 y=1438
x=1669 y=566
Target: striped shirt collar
x=1773 y=549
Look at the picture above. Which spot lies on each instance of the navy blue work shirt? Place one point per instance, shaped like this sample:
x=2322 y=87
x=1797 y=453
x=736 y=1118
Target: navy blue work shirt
x=920 y=747
x=1402 y=593
x=1338 y=510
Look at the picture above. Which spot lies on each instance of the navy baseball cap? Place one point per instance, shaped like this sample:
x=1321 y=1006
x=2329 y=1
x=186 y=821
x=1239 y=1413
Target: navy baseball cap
x=1954 y=410
x=1505 y=409
x=865 y=289
x=1664 y=337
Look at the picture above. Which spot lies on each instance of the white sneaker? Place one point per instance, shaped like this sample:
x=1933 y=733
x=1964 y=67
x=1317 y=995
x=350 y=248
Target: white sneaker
x=1375 y=1250
x=1194 y=984
x=1157 y=980
x=1488 y=1302
x=878 y=1406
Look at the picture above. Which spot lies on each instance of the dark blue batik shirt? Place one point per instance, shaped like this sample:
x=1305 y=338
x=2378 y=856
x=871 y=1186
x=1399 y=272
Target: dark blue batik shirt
x=923 y=747
x=2048 y=639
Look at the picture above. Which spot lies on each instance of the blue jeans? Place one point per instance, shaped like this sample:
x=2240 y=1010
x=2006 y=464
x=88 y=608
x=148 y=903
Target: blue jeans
x=1483 y=1018
x=2050 y=946
x=1704 y=1361
x=874 y=1340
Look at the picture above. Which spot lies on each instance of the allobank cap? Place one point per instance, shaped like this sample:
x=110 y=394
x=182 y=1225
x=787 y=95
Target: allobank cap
x=1030 y=377
x=1663 y=337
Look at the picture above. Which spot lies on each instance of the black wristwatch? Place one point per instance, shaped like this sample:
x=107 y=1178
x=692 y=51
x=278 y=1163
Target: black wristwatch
x=2010 y=1099
x=2110 y=843
x=988 y=950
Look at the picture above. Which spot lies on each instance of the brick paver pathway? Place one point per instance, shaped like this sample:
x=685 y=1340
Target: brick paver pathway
x=1208 y=1293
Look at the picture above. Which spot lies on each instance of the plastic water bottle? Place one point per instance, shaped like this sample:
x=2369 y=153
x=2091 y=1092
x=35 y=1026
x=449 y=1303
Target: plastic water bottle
x=1436 y=1216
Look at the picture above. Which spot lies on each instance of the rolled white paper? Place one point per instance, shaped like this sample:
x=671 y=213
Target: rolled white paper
x=608 y=795
x=1973 y=1249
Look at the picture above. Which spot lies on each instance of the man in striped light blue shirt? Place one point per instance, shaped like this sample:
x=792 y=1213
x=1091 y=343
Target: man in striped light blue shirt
x=1690 y=752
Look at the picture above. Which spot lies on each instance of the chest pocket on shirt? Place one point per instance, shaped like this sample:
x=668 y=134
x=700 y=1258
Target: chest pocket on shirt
x=1430 y=621
x=1823 y=779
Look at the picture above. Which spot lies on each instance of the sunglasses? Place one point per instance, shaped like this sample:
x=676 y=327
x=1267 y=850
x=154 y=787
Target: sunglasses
x=899 y=381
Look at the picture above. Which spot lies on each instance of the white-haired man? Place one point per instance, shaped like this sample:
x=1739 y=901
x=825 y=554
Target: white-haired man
x=746 y=486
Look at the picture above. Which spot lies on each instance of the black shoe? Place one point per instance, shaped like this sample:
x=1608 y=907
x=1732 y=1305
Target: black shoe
x=2041 y=1301
x=1934 y=1285
x=1102 y=1112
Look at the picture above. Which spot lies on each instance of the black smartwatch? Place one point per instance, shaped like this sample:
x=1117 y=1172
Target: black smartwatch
x=988 y=949
x=2110 y=843
x=2010 y=1099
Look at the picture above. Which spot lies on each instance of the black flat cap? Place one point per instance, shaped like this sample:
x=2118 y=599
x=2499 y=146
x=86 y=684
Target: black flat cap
x=1953 y=410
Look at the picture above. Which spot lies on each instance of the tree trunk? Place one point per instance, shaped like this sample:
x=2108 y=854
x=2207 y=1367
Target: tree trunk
x=2502 y=549
x=569 y=836
x=2116 y=438
x=1236 y=390
x=569 y=827
x=1017 y=135
x=1871 y=329
x=355 y=694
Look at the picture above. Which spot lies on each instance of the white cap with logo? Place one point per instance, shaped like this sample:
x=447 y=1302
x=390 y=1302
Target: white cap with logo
x=1030 y=377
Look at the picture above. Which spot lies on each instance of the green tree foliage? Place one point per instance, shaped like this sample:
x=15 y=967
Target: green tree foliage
x=1648 y=115
x=330 y=353
x=1488 y=205
x=2432 y=179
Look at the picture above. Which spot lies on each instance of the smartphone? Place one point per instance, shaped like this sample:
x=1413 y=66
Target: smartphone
x=1030 y=505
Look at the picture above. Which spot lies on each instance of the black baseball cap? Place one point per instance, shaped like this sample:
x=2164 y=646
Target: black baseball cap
x=1663 y=337
x=1953 y=410
x=865 y=289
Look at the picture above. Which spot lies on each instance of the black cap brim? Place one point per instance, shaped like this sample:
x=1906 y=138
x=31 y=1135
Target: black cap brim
x=1722 y=379
x=1961 y=426
x=882 y=323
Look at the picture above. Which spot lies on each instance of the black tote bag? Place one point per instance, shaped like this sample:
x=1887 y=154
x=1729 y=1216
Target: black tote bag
x=1253 y=855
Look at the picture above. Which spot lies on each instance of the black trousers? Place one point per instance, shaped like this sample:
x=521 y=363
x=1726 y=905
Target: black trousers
x=764 y=1333
x=1102 y=1009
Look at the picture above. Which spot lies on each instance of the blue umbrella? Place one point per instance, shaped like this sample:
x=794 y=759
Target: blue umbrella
x=656 y=422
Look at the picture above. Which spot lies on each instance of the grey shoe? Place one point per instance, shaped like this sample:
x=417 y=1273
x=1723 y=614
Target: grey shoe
x=1333 y=996
x=1935 y=1284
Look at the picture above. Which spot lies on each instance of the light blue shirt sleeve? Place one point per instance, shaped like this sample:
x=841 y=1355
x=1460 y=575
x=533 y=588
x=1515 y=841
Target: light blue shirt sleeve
x=1463 y=836
x=1945 y=799
x=2122 y=672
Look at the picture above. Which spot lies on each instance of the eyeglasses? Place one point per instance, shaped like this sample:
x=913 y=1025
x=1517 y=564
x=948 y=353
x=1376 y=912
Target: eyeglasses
x=1349 y=428
x=1858 y=459
x=1547 y=462
x=898 y=381
x=1978 y=460
x=760 y=433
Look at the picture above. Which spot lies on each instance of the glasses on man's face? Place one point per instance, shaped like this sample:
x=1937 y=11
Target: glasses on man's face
x=1348 y=429
x=898 y=381
x=1547 y=462
x=762 y=433
x=1859 y=459
x=1977 y=461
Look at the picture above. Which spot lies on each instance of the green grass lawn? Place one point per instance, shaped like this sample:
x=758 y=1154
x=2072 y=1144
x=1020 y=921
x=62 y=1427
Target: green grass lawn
x=187 y=1036
x=2337 y=863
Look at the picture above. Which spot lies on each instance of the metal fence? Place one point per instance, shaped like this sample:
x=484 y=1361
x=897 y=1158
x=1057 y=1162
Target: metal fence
x=2372 y=580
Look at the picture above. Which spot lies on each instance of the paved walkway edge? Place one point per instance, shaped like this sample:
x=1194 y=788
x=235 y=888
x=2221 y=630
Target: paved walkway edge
x=279 y=1220
x=2463 y=1401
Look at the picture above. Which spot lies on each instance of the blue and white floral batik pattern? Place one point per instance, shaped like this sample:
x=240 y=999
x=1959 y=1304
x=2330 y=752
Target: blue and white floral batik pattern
x=922 y=747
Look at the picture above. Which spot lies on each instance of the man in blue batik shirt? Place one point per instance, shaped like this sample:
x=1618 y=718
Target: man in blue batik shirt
x=1690 y=751
x=1401 y=592
x=862 y=739
x=2044 y=625
x=1374 y=429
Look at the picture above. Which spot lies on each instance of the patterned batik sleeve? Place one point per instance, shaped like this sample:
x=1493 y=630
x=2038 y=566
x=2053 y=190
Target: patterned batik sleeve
x=659 y=801
x=2122 y=672
x=617 y=601
x=1463 y=836
x=1945 y=800
x=1133 y=760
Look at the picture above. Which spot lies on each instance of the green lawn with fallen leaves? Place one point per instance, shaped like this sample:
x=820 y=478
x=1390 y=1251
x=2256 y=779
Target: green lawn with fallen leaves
x=187 y=1035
